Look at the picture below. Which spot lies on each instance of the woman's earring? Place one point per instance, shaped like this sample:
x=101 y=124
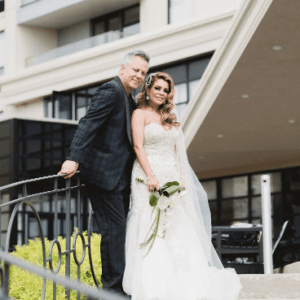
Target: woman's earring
x=147 y=98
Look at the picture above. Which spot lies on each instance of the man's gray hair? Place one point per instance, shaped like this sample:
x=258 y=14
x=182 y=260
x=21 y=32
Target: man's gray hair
x=129 y=56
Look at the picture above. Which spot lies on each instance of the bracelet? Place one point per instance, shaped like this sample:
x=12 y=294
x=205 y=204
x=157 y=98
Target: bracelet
x=150 y=176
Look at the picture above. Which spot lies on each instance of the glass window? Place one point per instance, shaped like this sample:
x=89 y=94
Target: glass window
x=234 y=209
x=186 y=77
x=1 y=5
x=81 y=111
x=48 y=112
x=99 y=28
x=132 y=15
x=126 y=22
x=113 y=24
x=131 y=30
x=180 y=110
x=178 y=73
x=181 y=93
x=197 y=68
x=235 y=187
x=81 y=101
x=62 y=106
x=275 y=183
x=92 y=91
x=1 y=115
x=180 y=10
x=210 y=188
x=192 y=87
x=293 y=179
x=213 y=205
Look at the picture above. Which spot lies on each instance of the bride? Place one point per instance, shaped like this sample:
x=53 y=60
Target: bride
x=182 y=263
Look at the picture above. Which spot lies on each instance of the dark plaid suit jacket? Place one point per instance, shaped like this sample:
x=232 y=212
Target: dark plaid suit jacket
x=103 y=141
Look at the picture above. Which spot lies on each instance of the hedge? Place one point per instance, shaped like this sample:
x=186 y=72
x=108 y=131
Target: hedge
x=24 y=285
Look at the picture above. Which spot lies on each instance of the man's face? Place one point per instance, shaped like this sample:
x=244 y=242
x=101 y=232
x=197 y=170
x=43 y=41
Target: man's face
x=133 y=75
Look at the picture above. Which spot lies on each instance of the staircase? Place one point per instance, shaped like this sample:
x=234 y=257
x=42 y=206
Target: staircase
x=284 y=284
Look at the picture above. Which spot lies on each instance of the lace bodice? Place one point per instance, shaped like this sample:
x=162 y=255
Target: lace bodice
x=158 y=143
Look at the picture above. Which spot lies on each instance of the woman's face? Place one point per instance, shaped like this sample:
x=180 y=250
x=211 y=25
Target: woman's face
x=158 y=92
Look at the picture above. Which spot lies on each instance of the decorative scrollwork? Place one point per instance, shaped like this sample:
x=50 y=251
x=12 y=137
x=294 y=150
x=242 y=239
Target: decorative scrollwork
x=57 y=243
x=90 y=249
x=9 y=230
x=79 y=262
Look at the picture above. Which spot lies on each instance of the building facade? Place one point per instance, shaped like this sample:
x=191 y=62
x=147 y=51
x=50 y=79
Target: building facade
x=55 y=54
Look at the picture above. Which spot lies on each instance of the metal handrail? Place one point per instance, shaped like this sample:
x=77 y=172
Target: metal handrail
x=25 y=198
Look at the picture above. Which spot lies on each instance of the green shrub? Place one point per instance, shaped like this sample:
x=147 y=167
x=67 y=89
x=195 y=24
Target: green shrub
x=24 y=285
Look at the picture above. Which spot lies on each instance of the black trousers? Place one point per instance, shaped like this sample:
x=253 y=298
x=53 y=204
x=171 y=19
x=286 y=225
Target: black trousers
x=110 y=211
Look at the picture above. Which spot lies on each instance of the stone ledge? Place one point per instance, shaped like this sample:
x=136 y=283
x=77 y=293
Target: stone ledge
x=275 y=286
x=291 y=268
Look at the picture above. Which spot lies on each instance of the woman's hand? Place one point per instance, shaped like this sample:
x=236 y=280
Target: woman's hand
x=152 y=183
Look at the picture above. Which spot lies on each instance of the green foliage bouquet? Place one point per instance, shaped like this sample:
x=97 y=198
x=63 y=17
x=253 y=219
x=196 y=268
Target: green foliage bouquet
x=24 y=285
x=162 y=201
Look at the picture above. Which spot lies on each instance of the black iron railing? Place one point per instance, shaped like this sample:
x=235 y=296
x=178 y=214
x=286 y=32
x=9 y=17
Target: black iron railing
x=25 y=198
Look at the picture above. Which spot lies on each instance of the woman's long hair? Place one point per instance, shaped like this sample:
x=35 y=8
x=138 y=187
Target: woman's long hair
x=165 y=110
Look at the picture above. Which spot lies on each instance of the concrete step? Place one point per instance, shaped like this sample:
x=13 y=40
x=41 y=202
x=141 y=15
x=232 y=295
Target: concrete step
x=292 y=268
x=275 y=286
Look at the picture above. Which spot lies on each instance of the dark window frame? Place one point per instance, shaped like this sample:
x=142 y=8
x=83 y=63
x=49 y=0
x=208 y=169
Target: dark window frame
x=107 y=17
x=83 y=91
x=187 y=62
x=2 y=6
x=279 y=215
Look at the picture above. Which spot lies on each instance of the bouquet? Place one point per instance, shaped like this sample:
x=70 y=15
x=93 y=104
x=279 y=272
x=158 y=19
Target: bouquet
x=162 y=200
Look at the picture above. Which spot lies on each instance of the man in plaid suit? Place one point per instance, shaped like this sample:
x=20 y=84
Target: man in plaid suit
x=102 y=146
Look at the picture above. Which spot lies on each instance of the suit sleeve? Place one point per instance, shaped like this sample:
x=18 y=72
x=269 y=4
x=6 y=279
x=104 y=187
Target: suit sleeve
x=103 y=102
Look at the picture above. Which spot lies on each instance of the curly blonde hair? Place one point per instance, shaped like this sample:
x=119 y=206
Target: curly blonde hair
x=165 y=110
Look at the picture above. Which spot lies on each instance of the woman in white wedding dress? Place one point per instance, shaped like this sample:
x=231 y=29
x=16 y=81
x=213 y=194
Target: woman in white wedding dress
x=183 y=265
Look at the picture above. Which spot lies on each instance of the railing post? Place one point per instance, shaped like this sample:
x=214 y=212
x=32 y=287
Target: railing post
x=55 y=225
x=79 y=227
x=26 y=229
x=68 y=226
x=267 y=225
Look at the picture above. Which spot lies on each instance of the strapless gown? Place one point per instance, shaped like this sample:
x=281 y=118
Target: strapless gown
x=176 y=268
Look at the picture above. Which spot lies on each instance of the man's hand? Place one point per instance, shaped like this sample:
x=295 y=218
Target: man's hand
x=69 y=167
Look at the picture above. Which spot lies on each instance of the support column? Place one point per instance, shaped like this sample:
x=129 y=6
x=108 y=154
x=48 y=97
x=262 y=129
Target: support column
x=153 y=14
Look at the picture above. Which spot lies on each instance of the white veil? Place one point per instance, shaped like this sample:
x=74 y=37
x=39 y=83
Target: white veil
x=195 y=203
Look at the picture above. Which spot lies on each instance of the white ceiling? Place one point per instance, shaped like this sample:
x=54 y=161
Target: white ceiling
x=257 y=133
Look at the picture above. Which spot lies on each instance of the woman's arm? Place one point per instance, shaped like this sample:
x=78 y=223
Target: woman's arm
x=137 y=124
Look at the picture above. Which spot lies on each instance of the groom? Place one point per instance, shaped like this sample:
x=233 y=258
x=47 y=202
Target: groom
x=102 y=146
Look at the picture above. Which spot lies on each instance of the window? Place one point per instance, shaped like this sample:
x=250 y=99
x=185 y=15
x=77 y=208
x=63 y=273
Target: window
x=1 y=5
x=69 y=105
x=180 y=10
x=74 y=105
x=186 y=78
x=1 y=115
x=2 y=52
x=125 y=22
x=238 y=199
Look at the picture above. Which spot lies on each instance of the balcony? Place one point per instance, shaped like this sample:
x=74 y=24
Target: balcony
x=26 y=2
x=94 y=41
x=57 y=14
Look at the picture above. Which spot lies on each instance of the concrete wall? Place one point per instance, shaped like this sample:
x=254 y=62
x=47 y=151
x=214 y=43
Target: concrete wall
x=22 y=42
x=34 y=109
x=153 y=14
x=184 y=10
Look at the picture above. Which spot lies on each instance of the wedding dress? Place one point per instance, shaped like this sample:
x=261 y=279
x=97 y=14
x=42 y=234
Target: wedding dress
x=183 y=265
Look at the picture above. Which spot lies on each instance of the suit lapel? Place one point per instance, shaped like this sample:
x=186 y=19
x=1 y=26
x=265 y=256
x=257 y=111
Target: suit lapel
x=127 y=108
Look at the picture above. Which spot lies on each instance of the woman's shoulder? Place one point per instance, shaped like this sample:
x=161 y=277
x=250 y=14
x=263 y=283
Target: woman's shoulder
x=141 y=112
